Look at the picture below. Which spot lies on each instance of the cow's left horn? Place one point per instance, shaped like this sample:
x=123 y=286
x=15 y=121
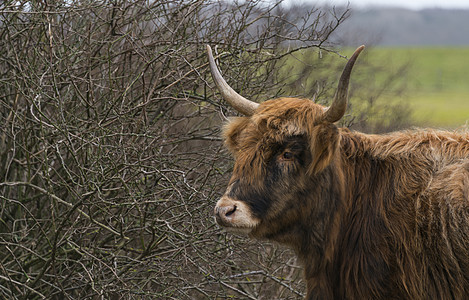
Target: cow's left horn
x=238 y=102
x=337 y=109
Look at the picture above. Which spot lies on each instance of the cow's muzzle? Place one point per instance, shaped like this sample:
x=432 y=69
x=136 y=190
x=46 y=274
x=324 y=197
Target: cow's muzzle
x=234 y=215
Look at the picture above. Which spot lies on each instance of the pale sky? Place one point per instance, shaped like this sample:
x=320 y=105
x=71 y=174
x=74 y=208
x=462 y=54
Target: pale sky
x=411 y=4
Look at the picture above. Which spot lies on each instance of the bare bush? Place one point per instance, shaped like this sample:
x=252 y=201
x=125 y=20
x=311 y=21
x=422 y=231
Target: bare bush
x=110 y=155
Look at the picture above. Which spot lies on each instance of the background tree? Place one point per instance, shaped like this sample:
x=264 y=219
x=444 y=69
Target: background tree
x=110 y=151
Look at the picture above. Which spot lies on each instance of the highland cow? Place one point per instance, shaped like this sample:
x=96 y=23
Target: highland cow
x=369 y=216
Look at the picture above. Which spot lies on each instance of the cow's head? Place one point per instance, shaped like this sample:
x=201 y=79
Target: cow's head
x=281 y=148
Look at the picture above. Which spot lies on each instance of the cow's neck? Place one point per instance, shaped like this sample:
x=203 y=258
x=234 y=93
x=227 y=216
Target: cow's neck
x=366 y=215
x=382 y=176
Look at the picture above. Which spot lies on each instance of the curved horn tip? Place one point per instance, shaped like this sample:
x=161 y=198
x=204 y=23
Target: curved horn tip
x=238 y=102
x=358 y=50
x=337 y=109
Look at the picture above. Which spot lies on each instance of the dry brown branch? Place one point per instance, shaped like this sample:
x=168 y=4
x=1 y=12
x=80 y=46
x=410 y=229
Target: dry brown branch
x=110 y=150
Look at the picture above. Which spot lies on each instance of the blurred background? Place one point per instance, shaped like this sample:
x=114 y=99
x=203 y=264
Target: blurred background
x=430 y=37
x=111 y=157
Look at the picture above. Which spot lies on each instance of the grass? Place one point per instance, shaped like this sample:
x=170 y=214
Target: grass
x=448 y=109
x=437 y=82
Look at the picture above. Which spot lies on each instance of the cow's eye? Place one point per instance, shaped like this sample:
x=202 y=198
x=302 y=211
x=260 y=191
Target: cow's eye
x=287 y=155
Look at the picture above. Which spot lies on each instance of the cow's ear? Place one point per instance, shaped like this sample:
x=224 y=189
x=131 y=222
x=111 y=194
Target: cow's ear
x=232 y=131
x=324 y=141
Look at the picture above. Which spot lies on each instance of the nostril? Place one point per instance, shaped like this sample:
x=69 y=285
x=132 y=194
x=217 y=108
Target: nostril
x=230 y=211
x=225 y=215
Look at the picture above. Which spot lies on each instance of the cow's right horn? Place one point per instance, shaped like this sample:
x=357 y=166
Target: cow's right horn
x=337 y=109
x=238 y=102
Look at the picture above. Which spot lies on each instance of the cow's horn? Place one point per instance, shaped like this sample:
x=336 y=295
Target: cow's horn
x=337 y=109
x=238 y=102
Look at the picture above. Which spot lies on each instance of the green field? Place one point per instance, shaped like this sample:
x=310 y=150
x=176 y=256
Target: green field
x=437 y=82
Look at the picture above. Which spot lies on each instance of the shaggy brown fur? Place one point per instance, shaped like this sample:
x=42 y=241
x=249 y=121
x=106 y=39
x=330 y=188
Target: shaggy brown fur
x=370 y=216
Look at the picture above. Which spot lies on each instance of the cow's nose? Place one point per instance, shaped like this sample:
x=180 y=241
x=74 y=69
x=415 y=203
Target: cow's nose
x=224 y=214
